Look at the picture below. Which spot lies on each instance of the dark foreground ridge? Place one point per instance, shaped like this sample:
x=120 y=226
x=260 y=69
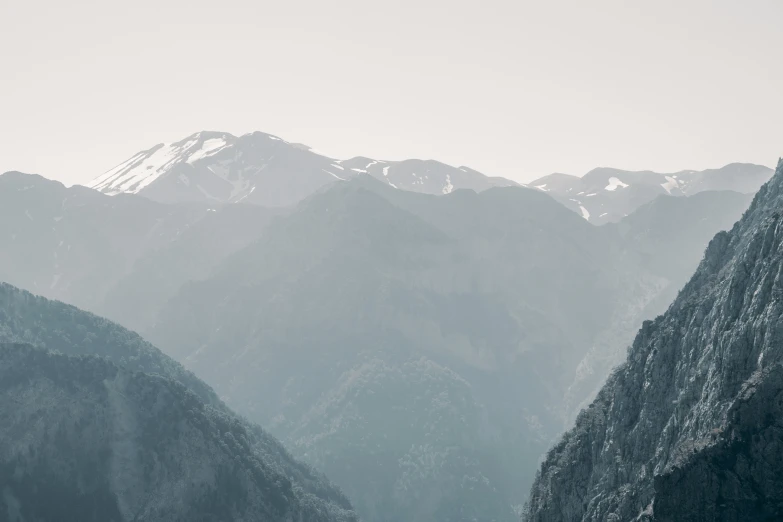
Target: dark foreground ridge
x=96 y=425
x=690 y=428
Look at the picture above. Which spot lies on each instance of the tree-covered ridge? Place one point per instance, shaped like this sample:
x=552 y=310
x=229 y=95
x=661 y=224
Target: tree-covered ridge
x=82 y=439
x=56 y=326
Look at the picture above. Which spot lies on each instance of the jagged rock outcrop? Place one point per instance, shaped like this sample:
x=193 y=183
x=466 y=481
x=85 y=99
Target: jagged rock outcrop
x=690 y=427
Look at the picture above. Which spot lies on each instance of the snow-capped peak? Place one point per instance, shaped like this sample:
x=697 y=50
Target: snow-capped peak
x=265 y=169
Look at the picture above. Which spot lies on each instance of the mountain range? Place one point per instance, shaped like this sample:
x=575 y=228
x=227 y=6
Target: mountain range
x=260 y=168
x=421 y=344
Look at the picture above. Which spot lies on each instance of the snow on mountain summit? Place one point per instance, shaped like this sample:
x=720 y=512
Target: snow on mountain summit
x=136 y=173
x=265 y=169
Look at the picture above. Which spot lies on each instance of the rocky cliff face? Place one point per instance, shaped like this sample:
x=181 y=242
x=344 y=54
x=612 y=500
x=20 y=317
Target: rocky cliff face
x=691 y=426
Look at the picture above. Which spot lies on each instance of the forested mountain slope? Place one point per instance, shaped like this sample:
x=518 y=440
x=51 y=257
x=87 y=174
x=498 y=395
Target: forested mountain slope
x=100 y=425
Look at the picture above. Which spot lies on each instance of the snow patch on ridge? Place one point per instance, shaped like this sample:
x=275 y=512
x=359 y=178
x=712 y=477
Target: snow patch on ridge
x=614 y=183
x=670 y=184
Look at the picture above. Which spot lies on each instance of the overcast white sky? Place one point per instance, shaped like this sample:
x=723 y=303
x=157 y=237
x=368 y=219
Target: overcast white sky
x=512 y=88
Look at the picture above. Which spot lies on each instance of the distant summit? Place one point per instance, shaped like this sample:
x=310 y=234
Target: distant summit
x=265 y=169
x=606 y=195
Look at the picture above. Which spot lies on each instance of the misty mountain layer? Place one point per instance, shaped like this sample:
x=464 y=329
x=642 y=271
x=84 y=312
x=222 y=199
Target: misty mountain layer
x=689 y=428
x=88 y=249
x=418 y=349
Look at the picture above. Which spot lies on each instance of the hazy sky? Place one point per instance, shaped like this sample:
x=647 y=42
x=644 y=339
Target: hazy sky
x=513 y=88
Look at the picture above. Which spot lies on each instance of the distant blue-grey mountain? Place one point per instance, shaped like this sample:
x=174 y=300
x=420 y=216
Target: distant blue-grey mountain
x=606 y=195
x=119 y=256
x=217 y=167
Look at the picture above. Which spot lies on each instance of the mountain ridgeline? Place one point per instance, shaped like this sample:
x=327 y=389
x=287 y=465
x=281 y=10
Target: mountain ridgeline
x=217 y=167
x=690 y=428
x=264 y=169
x=99 y=425
x=606 y=195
